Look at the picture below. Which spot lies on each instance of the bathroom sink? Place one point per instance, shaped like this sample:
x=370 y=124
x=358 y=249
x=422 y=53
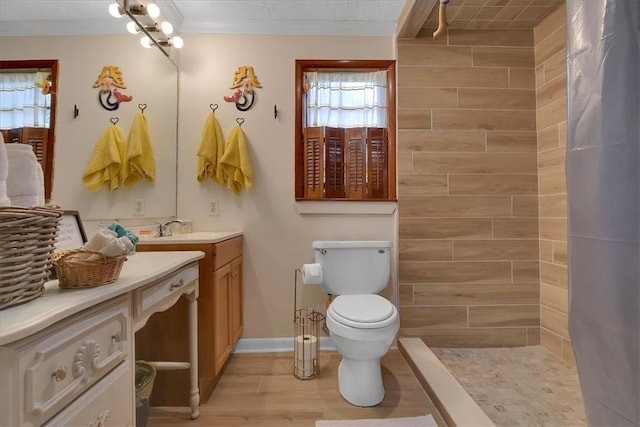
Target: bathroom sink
x=195 y=237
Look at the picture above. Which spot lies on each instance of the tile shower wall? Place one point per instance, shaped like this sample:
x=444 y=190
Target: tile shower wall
x=468 y=189
x=551 y=87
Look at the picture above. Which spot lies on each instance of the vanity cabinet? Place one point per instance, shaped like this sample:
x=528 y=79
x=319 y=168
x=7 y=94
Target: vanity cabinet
x=67 y=358
x=219 y=320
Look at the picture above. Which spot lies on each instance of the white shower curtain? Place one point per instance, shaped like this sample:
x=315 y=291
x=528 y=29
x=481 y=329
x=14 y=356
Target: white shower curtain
x=603 y=196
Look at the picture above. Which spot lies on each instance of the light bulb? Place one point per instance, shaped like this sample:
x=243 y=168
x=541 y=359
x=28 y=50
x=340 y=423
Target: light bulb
x=166 y=27
x=115 y=10
x=132 y=27
x=177 y=42
x=153 y=10
x=145 y=42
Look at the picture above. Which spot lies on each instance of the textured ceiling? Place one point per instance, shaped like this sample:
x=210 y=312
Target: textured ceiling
x=316 y=17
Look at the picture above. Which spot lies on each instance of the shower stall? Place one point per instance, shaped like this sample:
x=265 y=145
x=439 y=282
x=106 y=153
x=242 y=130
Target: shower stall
x=502 y=246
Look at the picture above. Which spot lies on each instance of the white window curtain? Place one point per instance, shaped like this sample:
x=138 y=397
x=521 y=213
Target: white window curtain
x=346 y=99
x=22 y=102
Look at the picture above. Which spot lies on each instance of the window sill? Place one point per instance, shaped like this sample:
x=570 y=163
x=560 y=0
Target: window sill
x=345 y=208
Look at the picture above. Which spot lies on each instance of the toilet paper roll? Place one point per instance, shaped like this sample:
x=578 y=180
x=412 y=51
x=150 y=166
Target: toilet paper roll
x=306 y=351
x=311 y=274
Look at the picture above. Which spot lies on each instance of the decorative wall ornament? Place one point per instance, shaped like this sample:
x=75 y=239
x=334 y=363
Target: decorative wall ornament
x=109 y=81
x=244 y=81
x=45 y=85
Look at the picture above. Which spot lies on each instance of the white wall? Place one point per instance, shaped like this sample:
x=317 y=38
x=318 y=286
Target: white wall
x=150 y=78
x=277 y=237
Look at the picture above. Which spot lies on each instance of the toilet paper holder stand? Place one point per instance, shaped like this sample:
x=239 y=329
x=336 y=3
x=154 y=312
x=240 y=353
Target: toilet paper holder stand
x=306 y=340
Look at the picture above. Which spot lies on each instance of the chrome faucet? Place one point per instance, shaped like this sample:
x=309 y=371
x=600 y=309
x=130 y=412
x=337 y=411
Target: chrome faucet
x=165 y=230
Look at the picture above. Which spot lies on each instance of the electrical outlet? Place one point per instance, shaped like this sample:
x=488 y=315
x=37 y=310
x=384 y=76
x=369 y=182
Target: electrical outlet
x=138 y=207
x=214 y=208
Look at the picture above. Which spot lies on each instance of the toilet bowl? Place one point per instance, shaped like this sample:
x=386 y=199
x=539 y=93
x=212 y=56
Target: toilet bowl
x=362 y=327
x=361 y=323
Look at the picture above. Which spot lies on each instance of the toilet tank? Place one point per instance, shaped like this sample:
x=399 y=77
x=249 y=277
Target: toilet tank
x=353 y=267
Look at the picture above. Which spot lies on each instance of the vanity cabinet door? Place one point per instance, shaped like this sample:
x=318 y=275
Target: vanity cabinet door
x=235 y=305
x=222 y=284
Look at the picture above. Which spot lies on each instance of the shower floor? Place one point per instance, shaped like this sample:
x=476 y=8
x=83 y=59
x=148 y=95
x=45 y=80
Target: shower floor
x=522 y=386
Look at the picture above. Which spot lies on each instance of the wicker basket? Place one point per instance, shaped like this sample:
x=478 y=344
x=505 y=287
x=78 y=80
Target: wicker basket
x=75 y=271
x=27 y=242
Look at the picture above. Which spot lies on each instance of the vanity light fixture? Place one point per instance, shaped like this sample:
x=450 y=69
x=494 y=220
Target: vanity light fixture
x=143 y=19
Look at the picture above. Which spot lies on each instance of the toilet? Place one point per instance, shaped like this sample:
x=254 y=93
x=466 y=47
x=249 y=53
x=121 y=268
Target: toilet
x=361 y=323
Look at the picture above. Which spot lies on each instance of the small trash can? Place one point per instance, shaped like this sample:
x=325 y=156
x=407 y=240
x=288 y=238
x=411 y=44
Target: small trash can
x=145 y=374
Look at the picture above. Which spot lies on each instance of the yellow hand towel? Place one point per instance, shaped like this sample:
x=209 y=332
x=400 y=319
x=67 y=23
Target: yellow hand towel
x=106 y=161
x=235 y=162
x=210 y=151
x=141 y=162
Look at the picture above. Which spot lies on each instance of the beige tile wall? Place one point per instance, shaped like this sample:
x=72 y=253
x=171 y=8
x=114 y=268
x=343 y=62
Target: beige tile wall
x=551 y=87
x=468 y=188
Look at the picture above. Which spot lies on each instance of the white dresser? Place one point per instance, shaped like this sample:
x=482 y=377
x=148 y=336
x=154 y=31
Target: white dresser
x=67 y=357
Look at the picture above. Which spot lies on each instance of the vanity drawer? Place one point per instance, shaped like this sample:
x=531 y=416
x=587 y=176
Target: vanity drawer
x=226 y=251
x=110 y=402
x=66 y=359
x=157 y=293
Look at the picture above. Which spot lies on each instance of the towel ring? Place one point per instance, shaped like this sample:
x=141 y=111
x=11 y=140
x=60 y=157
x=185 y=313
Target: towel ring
x=213 y=107
x=142 y=107
x=239 y=121
x=114 y=120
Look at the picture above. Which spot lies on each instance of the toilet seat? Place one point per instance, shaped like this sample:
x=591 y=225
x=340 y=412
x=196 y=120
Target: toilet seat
x=363 y=311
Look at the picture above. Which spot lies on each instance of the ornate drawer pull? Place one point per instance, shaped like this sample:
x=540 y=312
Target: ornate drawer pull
x=60 y=374
x=175 y=286
x=117 y=337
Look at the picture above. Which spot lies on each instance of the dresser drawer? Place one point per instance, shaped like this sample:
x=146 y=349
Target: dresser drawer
x=110 y=402
x=65 y=360
x=147 y=298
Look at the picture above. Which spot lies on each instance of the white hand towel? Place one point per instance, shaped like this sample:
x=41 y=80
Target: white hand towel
x=25 y=181
x=4 y=172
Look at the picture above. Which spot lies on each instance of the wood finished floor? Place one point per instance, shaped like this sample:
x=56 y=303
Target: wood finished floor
x=260 y=390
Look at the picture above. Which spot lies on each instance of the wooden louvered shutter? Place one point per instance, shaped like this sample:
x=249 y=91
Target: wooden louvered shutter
x=37 y=138
x=355 y=163
x=334 y=163
x=313 y=163
x=377 y=160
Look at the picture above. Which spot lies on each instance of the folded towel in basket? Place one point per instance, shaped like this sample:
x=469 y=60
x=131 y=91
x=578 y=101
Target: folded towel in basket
x=107 y=243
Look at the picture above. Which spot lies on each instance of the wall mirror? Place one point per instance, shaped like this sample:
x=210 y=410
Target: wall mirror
x=151 y=79
x=28 y=109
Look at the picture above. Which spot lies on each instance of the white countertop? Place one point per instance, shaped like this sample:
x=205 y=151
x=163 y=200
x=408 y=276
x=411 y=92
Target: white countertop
x=55 y=304
x=195 y=237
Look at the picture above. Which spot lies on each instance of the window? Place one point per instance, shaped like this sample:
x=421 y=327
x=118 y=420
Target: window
x=345 y=130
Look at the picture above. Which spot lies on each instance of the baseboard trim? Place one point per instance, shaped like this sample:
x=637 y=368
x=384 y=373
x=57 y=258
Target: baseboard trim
x=275 y=345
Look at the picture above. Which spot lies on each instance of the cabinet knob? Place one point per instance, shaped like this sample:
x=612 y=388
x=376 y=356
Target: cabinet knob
x=175 y=286
x=117 y=337
x=60 y=374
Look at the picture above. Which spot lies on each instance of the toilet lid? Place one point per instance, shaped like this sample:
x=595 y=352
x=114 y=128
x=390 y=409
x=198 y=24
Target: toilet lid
x=365 y=311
